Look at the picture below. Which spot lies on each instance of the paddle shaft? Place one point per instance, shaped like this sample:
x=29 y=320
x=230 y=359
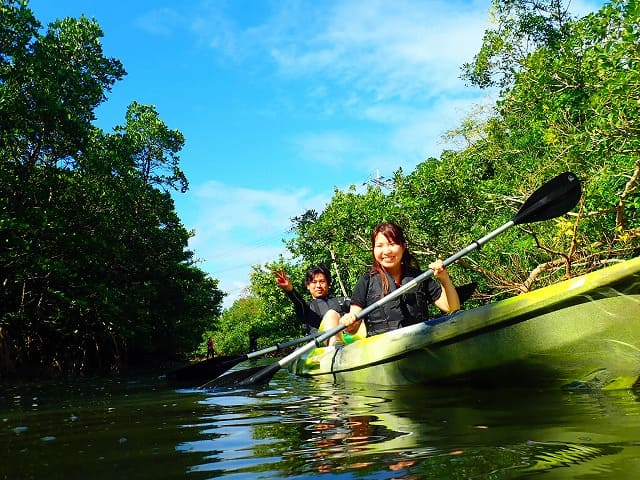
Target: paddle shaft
x=394 y=294
x=280 y=346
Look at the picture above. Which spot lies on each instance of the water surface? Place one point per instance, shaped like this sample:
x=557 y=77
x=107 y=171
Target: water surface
x=303 y=428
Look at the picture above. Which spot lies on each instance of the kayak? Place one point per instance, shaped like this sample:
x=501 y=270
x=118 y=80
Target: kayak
x=580 y=333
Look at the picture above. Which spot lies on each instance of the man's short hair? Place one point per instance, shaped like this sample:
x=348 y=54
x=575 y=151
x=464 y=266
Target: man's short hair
x=315 y=271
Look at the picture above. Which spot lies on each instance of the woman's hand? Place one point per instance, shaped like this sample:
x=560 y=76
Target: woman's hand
x=351 y=322
x=439 y=270
x=449 y=301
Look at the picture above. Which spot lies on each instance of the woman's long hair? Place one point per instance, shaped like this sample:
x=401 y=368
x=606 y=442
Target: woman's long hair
x=394 y=234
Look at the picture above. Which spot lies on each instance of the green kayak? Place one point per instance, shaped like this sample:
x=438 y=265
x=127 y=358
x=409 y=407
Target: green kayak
x=582 y=332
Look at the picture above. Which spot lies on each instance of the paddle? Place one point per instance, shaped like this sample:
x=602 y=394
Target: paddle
x=464 y=293
x=214 y=367
x=554 y=198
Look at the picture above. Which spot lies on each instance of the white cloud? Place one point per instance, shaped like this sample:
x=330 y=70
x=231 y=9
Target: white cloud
x=391 y=66
x=393 y=49
x=239 y=227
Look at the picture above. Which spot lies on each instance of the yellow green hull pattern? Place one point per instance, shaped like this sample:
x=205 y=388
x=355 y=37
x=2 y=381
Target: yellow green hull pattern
x=582 y=332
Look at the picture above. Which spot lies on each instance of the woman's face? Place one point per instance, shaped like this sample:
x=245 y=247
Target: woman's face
x=388 y=253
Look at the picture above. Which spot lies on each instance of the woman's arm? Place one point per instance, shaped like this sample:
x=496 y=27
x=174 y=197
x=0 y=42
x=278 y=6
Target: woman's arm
x=449 y=301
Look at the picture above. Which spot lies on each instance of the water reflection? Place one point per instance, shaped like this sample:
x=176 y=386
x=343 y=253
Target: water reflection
x=418 y=433
x=95 y=429
x=301 y=428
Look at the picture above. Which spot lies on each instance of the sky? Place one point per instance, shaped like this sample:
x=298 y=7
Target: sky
x=282 y=101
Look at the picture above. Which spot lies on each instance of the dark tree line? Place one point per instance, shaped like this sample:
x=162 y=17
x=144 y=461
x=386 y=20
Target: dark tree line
x=95 y=273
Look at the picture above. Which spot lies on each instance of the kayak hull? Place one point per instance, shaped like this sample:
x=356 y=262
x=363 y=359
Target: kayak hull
x=583 y=332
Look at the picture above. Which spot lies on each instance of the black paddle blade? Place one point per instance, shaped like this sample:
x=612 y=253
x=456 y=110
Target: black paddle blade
x=554 y=198
x=196 y=374
x=233 y=379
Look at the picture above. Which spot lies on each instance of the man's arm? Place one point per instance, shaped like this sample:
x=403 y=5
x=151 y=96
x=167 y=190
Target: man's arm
x=299 y=305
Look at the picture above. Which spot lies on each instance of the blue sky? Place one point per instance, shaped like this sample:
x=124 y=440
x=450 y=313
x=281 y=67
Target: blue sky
x=282 y=101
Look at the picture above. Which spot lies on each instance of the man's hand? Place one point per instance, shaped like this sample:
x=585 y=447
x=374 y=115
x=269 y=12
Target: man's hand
x=282 y=280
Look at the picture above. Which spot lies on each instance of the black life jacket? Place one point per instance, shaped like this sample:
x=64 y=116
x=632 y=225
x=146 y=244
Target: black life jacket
x=407 y=309
x=319 y=306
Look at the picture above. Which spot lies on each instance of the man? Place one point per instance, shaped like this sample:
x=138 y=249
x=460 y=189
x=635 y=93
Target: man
x=318 y=282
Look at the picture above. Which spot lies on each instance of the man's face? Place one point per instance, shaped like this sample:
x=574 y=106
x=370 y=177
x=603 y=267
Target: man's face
x=318 y=286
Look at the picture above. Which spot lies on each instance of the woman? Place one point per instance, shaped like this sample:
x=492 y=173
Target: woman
x=394 y=266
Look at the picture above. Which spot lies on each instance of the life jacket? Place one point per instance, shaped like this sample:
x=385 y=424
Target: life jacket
x=407 y=309
x=319 y=306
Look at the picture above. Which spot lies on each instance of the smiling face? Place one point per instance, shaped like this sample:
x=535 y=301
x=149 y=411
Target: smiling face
x=388 y=253
x=318 y=285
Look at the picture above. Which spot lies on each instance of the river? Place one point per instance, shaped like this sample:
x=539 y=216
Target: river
x=138 y=428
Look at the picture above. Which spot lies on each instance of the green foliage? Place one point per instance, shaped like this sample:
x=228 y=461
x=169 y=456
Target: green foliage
x=151 y=147
x=521 y=26
x=236 y=324
x=576 y=107
x=276 y=321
